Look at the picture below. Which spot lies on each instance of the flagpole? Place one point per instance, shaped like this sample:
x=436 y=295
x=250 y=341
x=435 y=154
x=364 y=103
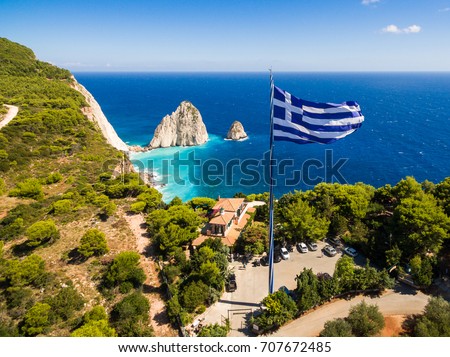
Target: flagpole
x=271 y=240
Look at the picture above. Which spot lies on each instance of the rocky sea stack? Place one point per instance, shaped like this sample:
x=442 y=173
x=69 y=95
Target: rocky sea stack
x=236 y=131
x=184 y=127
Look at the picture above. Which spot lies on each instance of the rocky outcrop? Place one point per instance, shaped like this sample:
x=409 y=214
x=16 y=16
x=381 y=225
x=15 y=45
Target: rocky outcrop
x=236 y=131
x=184 y=127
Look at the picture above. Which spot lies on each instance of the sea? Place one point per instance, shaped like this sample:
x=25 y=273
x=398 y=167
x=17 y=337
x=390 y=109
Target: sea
x=406 y=131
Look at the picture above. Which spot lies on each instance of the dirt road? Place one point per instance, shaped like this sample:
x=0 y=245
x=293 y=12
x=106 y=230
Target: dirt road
x=401 y=301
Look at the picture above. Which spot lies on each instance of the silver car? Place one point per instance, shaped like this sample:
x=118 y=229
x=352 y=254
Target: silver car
x=330 y=251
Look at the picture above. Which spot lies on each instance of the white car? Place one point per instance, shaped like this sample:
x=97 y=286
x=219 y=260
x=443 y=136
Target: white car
x=302 y=247
x=350 y=251
x=284 y=253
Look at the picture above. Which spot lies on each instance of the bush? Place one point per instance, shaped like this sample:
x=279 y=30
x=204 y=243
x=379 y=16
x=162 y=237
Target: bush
x=214 y=331
x=2 y=186
x=194 y=295
x=66 y=302
x=130 y=316
x=30 y=188
x=337 y=328
x=138 y=207
x=25 y=272
x=62 y=207
x=125 y=267
x=99 y=328
x=37 y=320
x=92 y=243
x=42 y=232
x=54 y=177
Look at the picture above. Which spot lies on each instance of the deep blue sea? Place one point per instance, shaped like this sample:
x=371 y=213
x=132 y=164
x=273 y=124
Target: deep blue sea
x=406 y=129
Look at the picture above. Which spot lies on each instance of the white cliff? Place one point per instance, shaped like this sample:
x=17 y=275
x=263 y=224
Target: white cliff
x=184 y=127
x=95 y=114
x=236 y=131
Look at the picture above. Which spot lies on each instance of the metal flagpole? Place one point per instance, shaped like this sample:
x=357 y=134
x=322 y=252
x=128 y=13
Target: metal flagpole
x=271 y=243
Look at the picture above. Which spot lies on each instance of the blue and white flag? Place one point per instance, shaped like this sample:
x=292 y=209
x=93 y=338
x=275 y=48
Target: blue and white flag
x=305 y=122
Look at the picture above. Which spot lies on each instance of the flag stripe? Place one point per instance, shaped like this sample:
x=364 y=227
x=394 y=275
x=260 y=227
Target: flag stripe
x=302 y=121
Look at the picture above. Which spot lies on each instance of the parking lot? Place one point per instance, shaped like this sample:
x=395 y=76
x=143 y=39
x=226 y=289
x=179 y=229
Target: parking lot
x=252 y=285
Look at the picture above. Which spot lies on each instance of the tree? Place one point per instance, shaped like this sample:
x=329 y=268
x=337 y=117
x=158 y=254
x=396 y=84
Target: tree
x=173 y=227
x=421 y=225
x=307 y=289
x=301 y=222
x=37 y=319
x=421 y=270
x=365 y=320
x=97 y=313
x=344 y=273
x=435 y=321
x=125 y=268
x=280 y=308
x=337 y=328
x=254 y=239
x=151 y=197
x=42 y=232
x=195 y=293
x=130 y=316
x=92 y=243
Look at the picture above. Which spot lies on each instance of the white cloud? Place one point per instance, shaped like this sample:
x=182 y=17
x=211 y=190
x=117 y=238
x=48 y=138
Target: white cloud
x=369 y=2
x=396 y=30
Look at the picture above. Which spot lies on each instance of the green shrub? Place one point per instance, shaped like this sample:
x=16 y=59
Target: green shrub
x=138 y=207
x=30 y=188
x=62 y=206
x=37 y=320
x=125 y=267
x=24 y=272
x=42 y=232
x=66 y=302
x=2 y=186
x=54 y=177
x=92 y=243
x=130 y=316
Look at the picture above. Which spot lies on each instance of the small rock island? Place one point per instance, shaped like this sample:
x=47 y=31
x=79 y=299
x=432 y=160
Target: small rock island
x=236 y=131
x=184 y=127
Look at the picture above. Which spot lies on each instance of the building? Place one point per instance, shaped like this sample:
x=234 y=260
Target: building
x=225 y=213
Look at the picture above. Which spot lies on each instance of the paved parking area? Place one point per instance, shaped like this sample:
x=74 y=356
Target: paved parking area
x=253 y=285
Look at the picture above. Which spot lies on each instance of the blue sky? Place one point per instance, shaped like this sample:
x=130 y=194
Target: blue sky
x=230 y=35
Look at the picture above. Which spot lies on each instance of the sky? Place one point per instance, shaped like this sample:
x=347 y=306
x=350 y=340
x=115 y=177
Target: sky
x=233 y=35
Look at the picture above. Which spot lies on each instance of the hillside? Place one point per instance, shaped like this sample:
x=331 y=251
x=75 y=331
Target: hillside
x=58 y=184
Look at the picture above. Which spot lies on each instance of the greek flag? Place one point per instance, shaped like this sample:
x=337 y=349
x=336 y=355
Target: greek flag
x=305 y=122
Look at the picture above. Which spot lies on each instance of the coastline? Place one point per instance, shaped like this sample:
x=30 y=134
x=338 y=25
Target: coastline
x=95 y=114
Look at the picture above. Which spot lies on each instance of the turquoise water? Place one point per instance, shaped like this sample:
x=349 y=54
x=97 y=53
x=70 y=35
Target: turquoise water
x=406 y=131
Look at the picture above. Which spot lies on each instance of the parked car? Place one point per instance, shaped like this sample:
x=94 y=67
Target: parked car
x=302 y=248
x=329 y=250
x=277 y=258
x=335 y=241
x=312 y=246
x=264 y=260
x=284 y=253
x=231 y=284
x=350 y=251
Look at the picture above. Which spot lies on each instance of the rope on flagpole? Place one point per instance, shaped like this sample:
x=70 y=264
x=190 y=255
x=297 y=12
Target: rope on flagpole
x=271 y=238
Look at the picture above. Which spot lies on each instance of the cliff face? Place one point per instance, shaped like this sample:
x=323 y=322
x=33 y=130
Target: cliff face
x=236 y=131
x=94 y=113
x=184 y=127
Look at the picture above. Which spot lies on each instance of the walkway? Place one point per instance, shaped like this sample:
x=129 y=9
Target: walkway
x=152 y=286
